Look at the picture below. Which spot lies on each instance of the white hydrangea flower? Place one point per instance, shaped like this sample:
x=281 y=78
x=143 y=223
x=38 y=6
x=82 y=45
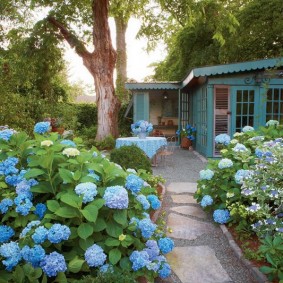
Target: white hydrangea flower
x=234 y=141
x=46 y=143
x=237 y=134
x=70 y=151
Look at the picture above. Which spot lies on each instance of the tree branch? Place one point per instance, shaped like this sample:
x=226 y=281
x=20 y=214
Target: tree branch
x=73 y=41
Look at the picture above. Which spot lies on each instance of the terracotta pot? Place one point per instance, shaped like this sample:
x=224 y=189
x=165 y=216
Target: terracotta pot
x=141 y=279
x=186 y=143
x=58 y=130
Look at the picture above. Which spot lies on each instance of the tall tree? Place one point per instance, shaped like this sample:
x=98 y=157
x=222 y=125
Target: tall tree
x=81 y=24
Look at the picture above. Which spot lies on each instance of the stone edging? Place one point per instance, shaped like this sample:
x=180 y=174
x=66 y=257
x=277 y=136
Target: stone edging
x=259 y=276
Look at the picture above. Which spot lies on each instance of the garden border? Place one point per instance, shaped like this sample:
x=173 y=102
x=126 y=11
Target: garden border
x=259 y=276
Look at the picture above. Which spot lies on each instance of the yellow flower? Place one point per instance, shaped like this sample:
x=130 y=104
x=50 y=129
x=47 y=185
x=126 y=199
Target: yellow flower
x=238 y=134
x=170 y=230
x=70 y=151
x=223 y=151
x=122 y=237
x=230 y=195
x=46 y=143
x=234 y=141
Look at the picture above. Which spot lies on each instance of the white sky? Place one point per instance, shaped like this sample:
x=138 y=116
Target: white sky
x=138 y=58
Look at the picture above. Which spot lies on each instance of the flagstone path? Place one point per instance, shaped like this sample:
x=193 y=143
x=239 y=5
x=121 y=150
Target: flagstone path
x=202 y=253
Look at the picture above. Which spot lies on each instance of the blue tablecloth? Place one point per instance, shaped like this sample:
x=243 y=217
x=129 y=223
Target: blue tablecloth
x=149 y=145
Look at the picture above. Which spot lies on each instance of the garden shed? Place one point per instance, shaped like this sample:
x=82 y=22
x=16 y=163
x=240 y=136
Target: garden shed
x=214 y=99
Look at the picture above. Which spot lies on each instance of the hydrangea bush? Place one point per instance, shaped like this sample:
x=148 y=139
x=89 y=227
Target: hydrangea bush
x=245 y=187
x=67 y=212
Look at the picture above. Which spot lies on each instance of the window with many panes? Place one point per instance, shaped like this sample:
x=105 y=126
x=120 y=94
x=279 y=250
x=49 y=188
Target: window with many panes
x=202 y=127
x=244 y=109
x=274 y=105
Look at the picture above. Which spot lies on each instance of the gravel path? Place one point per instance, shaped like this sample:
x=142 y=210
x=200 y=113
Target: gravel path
x=184 y=166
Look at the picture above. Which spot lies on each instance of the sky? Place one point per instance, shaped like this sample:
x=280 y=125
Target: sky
x=138 y=58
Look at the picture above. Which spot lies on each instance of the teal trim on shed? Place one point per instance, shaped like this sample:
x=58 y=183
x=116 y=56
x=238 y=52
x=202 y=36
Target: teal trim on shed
x=141 y=106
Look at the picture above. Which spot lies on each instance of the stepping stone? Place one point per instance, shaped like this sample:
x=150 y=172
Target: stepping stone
x=187 y=228
x=197 y=264
x=196 y=211
x=180 y=188
x=183 y=199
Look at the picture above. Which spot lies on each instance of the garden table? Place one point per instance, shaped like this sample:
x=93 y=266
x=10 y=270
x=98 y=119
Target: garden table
x=150 y=145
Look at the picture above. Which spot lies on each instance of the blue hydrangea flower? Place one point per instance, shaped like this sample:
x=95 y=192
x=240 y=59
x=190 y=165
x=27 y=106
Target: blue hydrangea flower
x=93 y=175
x=87 y=190
x=8 y=166
x=40 y=235
x=41 y=127
x=95 y=256
x=154 y=201
x=6 y=134
x=12 y=252
x=23 y=204
x=29 y=227
x=69 y=143
x=206 y=200
x=23 y=189
x=225 y=163
x=144 y=202
x=206 y=174
x=106 y=268
x=222 y=139
x=147 y=227
x=134 y=183
x=6 y=232
x=33 y=255
x=247 y=129
x=58 y=233
x=40 y=210
x=221 y=216
x=14 y=180
x=116 y=197
x=152 y=249
x=53 y=263
x=241 y=175
x=165 y=270
x=239 y=147
x=166 y=245
x=5 y=204
x=139 y=259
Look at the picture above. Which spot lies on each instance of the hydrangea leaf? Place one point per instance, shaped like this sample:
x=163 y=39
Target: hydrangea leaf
x=85 y=244
x=114 y=256
x=85 y=230
x=90 y=212
x=53 y=205
x=75 y=265
x=66 y=212
x=72 y=200
x=120 y=216
x=113 y=229
x=43 y=187
x=61 y=277
x=66 y=175
x=125 y=264
x=99 y=225
x=34 y=173
x=77 y=175
x=111 y=242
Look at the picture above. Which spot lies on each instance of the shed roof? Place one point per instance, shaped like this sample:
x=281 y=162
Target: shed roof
x=232 y=68
x=153 y=85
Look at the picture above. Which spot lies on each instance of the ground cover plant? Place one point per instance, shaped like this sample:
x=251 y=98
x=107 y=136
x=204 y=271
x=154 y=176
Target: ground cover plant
x=245 y=188
x=68 y=213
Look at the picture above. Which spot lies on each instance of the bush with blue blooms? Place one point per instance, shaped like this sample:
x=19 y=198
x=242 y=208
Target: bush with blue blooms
x=67 y=212
x=244 y=186
x=188 y=131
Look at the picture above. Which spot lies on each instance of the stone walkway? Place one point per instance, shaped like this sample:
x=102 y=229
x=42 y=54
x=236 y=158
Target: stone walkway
x=202 y=253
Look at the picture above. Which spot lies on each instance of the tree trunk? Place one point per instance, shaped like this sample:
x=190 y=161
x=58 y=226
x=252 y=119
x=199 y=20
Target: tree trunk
x=121 y=64
x=101 y=64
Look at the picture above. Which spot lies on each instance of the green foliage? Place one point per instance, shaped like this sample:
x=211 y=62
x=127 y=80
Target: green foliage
x=86 y=115
x=124 y=277
x=107 y=143
x=131 y=157
x=58 y=170
x=272 y=249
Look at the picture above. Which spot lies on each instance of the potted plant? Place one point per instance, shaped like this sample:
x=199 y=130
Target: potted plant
x=141 y=128
x=187 y=136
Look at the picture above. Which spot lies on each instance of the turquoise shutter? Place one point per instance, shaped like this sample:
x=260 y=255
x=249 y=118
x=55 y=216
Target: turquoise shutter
x=141 y=106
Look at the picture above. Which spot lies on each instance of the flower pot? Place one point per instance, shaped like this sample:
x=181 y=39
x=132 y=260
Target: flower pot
x=142 y=135
x=60 y=131
x=186 y=143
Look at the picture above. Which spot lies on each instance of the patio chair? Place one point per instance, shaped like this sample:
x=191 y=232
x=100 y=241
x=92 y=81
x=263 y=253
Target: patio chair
x=167 y=151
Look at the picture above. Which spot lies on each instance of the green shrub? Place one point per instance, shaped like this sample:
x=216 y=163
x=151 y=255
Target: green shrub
x=131 y=157
x=107 y=143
